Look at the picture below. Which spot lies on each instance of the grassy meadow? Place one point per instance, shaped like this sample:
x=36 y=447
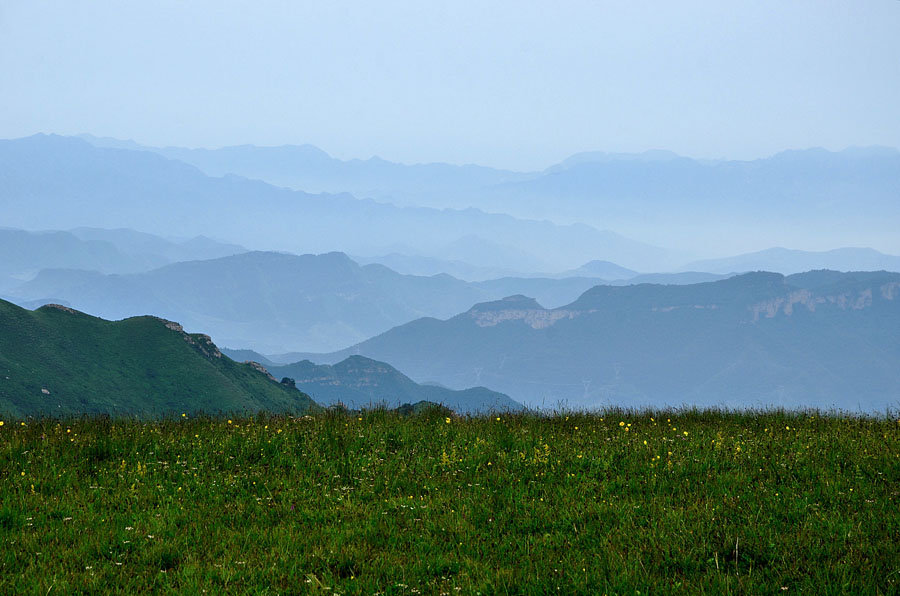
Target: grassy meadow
x=338 y=503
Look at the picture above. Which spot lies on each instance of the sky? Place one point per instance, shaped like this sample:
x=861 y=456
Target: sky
x=511 y=84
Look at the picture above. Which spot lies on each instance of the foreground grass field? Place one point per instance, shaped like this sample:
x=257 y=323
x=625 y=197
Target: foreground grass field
x=612 y=503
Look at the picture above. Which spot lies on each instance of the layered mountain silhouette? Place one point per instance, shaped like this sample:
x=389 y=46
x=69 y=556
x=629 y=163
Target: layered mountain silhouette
x=359 y=382
x=23 y=254
x=603 y=270
x=799 y=196
x=308 y=168
x=787 y=261
x=52 y=181
x=277 y=302
x=60 y=362
x=266 y=301
x=807 y=196
x=819 y=339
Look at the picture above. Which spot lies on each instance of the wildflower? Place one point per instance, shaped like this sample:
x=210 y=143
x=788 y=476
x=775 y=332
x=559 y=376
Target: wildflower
x=621 y=423
x=645 y=441
x=23 y=473
x=1 y=423
x=685 y=433
x=229 y=422
x=183 y=415
x=498 y=418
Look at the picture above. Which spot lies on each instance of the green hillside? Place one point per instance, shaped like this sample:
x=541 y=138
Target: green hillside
x=58 y=361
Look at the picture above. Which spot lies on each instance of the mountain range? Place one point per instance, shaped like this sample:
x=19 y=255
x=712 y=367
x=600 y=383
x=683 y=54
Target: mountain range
x=276 y=302
x=57 y=361
x=358 y=382
x=819 y=339
x=848 y=196
x=23 y=254
x=788 y=261
x=51 y=181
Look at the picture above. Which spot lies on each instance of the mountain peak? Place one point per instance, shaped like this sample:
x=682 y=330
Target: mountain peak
x=517 y=302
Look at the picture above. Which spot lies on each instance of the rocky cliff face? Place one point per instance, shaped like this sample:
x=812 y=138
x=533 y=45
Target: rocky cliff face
x=856 y=299
x=785 y=300
x=202 y=342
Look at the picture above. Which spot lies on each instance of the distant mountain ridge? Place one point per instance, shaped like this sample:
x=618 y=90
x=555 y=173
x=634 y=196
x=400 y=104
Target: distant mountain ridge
x=788 y=261
x=24 y=253
x=57 y=361
x=818 y=339
x=359 y=382
x=278 y=302
x=657 y=194
x=262 y=300
x=52 y=181
x=309 y=168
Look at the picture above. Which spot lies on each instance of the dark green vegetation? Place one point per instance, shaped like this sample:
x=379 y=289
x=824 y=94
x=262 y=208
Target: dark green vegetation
x=61 y=362
x=820 y=339
x=359 y=382
x=612 y=503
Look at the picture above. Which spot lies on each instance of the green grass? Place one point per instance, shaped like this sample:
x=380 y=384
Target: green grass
x=691 y=502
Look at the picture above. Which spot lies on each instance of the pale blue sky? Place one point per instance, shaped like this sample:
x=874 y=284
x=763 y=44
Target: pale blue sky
x=505 y=83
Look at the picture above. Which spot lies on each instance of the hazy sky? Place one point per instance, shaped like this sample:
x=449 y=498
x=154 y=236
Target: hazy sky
x=506 y=83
